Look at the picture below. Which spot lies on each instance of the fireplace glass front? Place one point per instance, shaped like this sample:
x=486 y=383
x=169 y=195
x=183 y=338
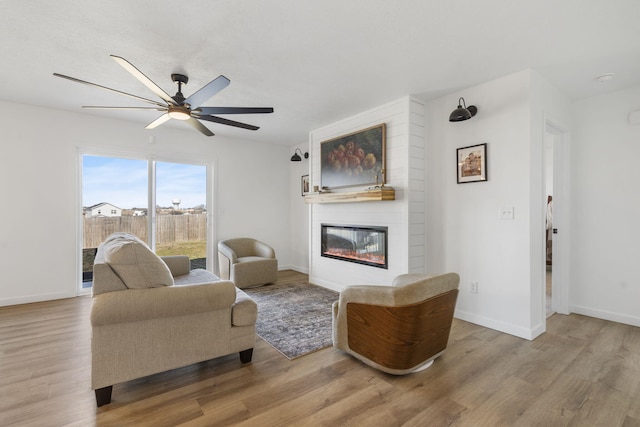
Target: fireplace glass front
x=359 y=244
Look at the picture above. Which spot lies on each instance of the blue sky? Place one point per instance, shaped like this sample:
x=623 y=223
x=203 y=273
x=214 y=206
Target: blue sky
x=123 y=182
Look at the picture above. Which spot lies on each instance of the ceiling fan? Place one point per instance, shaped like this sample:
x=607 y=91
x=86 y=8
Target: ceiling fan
x=178 y=107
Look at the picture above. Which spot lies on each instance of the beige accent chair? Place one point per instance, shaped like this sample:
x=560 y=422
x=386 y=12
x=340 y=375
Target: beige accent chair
x=247 y=262
x=152 y=314
x=398 y=329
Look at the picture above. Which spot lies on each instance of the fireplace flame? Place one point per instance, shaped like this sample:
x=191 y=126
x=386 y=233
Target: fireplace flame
x=353 y=255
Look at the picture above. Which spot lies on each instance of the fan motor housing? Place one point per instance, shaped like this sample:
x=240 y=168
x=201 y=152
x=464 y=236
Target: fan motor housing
x=180 y=78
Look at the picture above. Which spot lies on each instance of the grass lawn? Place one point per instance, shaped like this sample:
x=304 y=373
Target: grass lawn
x=194 y=249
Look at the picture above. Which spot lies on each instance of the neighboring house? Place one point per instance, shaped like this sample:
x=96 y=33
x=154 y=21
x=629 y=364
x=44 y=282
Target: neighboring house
x=102 y=210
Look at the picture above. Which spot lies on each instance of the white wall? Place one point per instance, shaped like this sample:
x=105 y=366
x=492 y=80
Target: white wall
x=39 y=167
x=605 y=244
x=299 y=246
x=404 y=216
x=464 y=231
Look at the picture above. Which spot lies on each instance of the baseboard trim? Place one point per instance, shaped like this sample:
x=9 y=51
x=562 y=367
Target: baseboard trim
x=294 y=268
x=4 y=302
x=606 y=315
x=325 y=284
x=507 y=328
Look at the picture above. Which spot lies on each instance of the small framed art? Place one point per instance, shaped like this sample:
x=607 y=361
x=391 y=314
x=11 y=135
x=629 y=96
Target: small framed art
x=304 y=183
x=472 y=163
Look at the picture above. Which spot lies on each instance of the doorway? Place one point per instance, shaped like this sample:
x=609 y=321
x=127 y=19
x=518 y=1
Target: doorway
x=549 y=142
x=556 y=230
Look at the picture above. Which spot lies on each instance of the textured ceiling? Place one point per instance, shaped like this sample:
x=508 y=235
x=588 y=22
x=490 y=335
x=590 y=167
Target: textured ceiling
x=315 y=62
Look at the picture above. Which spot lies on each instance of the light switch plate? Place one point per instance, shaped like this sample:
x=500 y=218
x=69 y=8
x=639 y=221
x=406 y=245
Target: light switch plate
x=507 y=213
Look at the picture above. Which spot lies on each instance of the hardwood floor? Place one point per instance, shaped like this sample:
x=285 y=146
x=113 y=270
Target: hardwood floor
x=582 y=372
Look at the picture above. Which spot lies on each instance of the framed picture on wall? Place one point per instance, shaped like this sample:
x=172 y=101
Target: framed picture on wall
x=304 y=182
x=472 y=163
x=354 y=159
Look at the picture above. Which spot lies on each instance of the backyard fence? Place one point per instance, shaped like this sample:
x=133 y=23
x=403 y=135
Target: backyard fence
x=169 y=228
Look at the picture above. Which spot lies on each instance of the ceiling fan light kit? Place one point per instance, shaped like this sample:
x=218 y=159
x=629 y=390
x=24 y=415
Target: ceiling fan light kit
x=178 y=107
x=179 y=113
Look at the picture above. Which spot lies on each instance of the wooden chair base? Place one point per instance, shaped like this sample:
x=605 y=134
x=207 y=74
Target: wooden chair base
x=401 y=337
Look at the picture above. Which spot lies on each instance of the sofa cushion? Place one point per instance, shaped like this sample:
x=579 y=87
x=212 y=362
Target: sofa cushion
x=135 y=263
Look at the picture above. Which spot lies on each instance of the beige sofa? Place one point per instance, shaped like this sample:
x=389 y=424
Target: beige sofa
x=150 y=315
x=247 y=262
x=398 y=329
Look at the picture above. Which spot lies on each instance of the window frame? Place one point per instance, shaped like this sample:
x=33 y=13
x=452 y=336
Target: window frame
x=152 y=160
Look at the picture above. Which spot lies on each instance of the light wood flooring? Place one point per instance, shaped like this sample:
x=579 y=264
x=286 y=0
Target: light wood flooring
x=582 y=372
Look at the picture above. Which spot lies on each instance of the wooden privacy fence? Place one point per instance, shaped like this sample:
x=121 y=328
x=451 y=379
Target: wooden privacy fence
x=169 y=228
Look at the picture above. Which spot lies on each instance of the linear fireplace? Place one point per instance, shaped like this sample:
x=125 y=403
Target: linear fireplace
x=360 y=244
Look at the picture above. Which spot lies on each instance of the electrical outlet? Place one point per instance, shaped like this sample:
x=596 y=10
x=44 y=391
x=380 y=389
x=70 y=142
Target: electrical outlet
x=474 y=287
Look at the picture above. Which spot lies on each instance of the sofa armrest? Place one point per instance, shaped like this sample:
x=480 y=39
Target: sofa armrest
x=227 y=252
x=178 y=264
x=105 y=280
x=245 y=310
x=367 y=294
x=263 y=250
x=224 y=266
x=154 y=303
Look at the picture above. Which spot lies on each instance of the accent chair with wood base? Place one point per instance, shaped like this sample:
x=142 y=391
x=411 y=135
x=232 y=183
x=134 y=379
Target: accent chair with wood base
x=398 y=329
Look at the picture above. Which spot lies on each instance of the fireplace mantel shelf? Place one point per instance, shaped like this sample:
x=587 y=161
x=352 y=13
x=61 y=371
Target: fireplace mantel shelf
x=379 y=194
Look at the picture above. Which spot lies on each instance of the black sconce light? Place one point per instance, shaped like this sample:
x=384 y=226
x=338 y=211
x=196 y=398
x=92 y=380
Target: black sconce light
x=462 y=113
x=296 y=157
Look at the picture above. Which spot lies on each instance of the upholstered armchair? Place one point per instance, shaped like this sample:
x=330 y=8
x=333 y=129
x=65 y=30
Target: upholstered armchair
x=247 y=262
x=398 y=329
x=152 y=314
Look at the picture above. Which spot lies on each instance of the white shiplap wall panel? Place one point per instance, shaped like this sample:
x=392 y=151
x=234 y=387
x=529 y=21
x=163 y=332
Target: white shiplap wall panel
x=417 y=184
x=404 y=121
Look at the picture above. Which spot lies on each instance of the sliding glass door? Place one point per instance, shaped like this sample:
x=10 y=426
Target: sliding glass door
x=162 y=203
x=181 y=213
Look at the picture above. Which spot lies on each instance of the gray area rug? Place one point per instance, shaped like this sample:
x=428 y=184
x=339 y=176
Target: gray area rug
x=294 y=318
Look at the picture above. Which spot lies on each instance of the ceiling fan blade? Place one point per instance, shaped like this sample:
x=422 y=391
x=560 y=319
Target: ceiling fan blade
x=228 y=122
x=199 y=126
x=95 y=107
x=207 y=91
x=157 y=122
x=234 y=110
x=144 y=79
x=73 y=79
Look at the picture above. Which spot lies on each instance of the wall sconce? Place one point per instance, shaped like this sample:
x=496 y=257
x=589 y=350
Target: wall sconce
x=296 y=157
x=462 y=113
